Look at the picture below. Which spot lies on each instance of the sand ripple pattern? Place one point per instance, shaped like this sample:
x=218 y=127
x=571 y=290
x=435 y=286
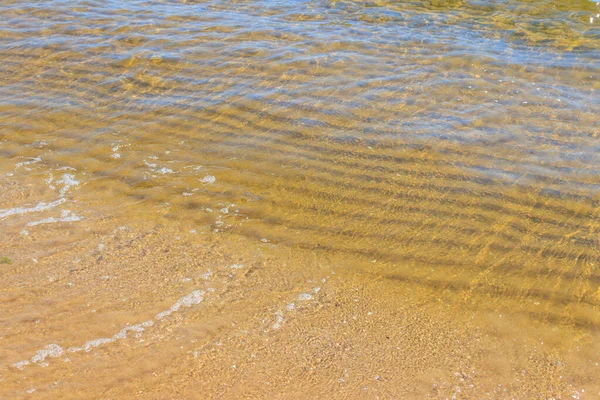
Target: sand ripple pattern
x=455 y=140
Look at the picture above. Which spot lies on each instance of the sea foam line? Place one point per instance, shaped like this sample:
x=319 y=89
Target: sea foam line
x=67 y=180
x=53 y=350
x=65 y=216
x=37 y=208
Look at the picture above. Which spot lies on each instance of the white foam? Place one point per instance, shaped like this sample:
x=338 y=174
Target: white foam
x=154 y=167
x=278 y=322
x=208 y=179
x=42 y=206
x=122 y=334
x=207 y=275
x=21 y=364
x=191 y=299
x=65 y=216
x=90 y=344
x=68 y=180
x=54 y=350
x=305 y=297
x=33 y=161
x=49 y=182
x=290 y=307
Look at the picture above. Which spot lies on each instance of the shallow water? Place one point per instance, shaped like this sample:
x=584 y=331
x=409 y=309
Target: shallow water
x=439 y=152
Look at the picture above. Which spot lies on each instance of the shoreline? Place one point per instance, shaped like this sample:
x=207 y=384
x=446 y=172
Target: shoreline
x=271 y=322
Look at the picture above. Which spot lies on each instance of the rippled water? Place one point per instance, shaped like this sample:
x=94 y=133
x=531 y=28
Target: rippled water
x=448 y=145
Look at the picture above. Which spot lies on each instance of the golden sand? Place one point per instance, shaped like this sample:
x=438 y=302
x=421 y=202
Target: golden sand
x=155 y=309
x=281 y=199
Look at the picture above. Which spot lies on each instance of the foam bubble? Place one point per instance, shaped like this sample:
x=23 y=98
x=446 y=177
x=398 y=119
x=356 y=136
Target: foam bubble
x=49 y=182
x=278 y=322
x=37 y=208
x=191 y=299
x=165 y=171
x=90 y=344
x=208 y=179
x=65 y=216
x=32 y=161
x=68 y=181
x=54 y=350
x=21 y=364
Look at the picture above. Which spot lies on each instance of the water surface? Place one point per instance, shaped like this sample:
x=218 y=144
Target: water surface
x=430 y=152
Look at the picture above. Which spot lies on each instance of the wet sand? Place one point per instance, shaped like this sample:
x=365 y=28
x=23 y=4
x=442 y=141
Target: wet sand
x=154 y=309
x=280 y=199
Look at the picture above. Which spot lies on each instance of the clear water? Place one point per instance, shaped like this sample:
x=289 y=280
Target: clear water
x=449 y=148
